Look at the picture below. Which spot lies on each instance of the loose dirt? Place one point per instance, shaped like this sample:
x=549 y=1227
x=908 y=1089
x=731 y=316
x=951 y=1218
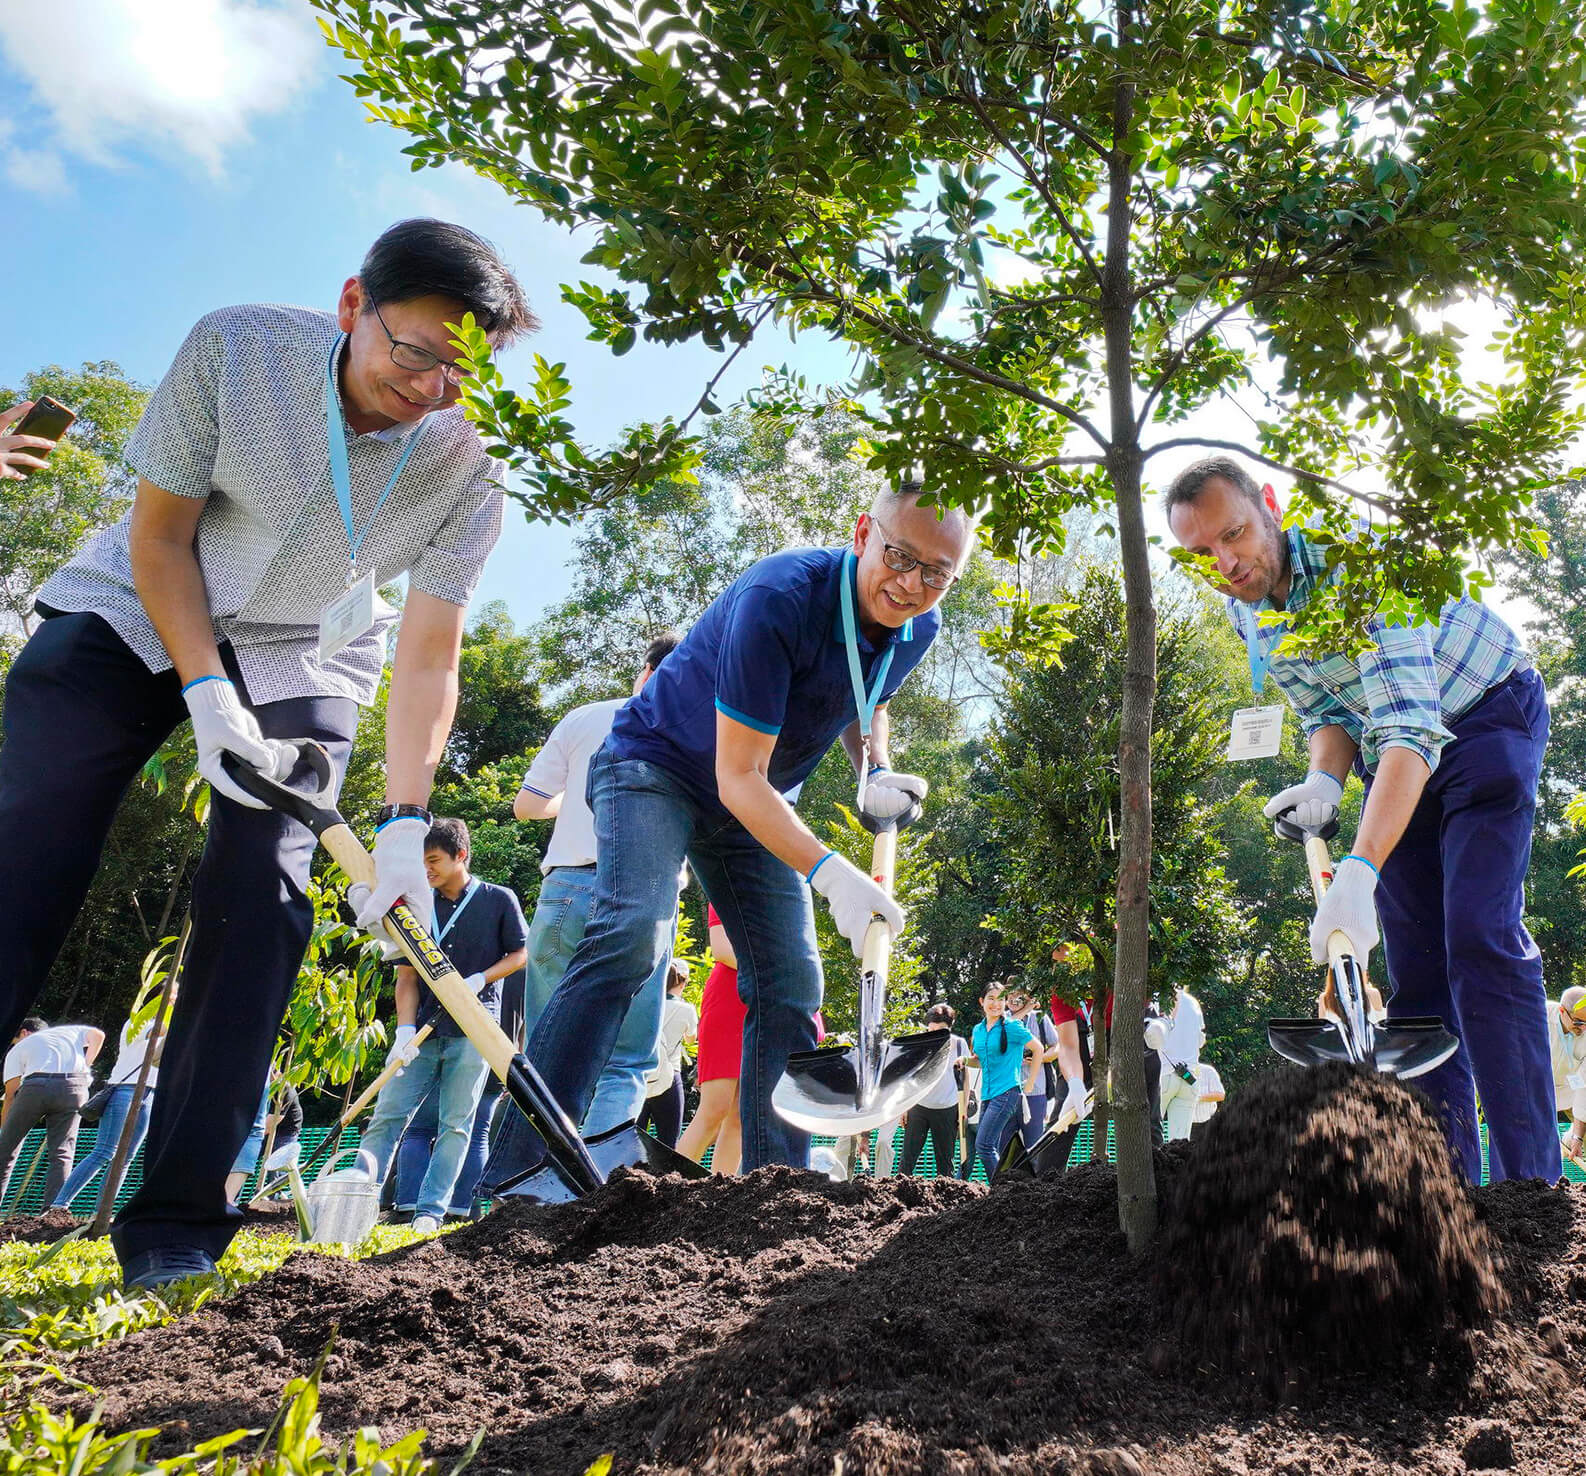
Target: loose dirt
x=780 y=1323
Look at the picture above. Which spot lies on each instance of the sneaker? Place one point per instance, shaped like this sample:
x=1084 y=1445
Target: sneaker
x=425 y=1224
x=153 y=1270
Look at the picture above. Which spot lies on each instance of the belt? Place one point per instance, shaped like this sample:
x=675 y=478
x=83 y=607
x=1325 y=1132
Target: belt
x=583 y=866
x=56 y=1076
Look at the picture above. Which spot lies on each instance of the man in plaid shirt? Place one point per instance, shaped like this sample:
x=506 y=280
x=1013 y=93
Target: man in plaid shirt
x=1446 y=726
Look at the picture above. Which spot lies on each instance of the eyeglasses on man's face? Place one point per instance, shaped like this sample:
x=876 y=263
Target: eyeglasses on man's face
x=901 y=561
x=418 y=360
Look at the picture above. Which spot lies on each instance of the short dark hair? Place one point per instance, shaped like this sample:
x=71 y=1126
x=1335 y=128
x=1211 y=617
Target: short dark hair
x=1191 y=482
x=450 y=835
x=433 y=258
x=943 y=1014
x=33 y=1024
x=661 y=647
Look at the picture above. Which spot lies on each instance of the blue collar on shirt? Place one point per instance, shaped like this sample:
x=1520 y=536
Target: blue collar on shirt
x=904 y=633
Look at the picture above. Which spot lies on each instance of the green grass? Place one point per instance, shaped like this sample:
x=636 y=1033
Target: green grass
x=56 y=1302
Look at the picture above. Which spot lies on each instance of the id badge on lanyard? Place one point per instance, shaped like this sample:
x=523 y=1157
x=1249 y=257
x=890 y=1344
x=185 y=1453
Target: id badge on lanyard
x=865 y=701
x=349 y=615
x=1256 y=732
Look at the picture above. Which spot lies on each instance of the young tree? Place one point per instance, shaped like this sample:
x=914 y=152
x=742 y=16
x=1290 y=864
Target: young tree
x=1048 y=231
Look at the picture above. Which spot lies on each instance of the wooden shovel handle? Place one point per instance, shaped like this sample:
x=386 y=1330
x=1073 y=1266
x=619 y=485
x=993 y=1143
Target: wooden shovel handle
x=877 y=951
x=372 y=1091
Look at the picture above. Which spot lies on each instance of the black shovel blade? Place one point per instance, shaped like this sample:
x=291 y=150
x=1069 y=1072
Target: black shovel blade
x=1015 y=1160
x=623 y=1146
x=820 y=1090
x=1404 y=1048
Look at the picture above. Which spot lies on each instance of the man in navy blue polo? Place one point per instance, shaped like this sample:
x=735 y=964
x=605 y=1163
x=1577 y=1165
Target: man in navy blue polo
x=806 y=647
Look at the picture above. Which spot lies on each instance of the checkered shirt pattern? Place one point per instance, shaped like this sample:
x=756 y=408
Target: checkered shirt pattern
x=239 y=419
x=1404 y=693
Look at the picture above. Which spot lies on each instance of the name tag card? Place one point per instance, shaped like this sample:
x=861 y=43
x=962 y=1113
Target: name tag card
x=346 y=617
x=1256 y=732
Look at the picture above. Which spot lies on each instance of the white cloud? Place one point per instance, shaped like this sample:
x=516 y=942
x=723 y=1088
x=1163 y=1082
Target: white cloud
x=176 y=76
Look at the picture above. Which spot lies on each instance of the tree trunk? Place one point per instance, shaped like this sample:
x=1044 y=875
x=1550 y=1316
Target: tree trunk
x=1132 y=1133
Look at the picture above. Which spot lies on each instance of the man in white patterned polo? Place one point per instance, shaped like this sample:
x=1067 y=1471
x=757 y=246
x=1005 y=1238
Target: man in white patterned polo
x=290 y=463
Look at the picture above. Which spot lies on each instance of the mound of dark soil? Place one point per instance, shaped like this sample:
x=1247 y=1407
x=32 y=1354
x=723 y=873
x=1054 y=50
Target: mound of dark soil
x=38 y=1229
x=784 y=1324
x=1322 y=1229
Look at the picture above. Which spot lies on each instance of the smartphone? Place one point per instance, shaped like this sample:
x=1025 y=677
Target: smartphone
x=48 y=418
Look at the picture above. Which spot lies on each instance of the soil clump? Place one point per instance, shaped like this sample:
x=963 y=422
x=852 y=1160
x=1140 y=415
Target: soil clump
x=37 y=1229
x=781 y=1323
x=1323 y=1230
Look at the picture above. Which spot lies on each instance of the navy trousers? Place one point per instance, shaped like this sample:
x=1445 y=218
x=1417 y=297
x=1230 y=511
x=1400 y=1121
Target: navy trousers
x=82 y=716
x=1451 y=903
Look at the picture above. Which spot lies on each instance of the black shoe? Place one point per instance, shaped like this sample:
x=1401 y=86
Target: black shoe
x=154 y=1270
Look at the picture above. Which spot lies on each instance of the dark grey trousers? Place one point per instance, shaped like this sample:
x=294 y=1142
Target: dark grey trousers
x=54 y=1102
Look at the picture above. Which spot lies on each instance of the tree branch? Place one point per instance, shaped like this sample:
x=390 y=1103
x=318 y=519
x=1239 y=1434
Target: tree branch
x=1298 y=472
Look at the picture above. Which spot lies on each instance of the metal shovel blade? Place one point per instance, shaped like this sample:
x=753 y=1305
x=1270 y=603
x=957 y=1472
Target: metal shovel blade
x=825 y=1091
x=623 y=1146
x=1404 y=1048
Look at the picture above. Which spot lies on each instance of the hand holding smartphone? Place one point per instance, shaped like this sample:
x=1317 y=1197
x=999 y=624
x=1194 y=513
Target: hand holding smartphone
x=43 y=423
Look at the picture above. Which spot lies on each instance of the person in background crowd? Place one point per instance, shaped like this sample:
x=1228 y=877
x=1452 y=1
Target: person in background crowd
x=291 y=463
x=122 y=1083
x=1209 y=1092
x=554 y=789
x=46 y=1075
x=1445 y=721
x=481 y=929
x=663 y=1106
x=20 y=455
x=1003 y=1049
x=1183 y=1039
x=804 y=648
x=1567 y=1040
x=716 y=1121
x=1022 y=1007
x=287 y=1119
x=936 y=1113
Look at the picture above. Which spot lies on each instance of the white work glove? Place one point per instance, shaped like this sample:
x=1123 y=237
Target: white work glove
x=476 y=984
x=402 y=1048
x=221 y=724
x=398 y=874
x=1314 y=802
x=854 y=899
x=1155 y=1034
x=1075 y=1102
x=888 y=795
x=1348 y=908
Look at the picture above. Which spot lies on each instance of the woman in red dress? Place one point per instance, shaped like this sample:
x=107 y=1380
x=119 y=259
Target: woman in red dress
x=721 y=1017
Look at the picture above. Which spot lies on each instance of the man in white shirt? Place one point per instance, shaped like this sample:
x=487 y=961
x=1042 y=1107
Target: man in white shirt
x=553 y=789
x=46 y=1082
x=290 y=463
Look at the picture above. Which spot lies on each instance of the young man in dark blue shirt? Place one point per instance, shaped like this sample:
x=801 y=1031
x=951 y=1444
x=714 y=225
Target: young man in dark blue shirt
x=481 y=928
x=806 y=647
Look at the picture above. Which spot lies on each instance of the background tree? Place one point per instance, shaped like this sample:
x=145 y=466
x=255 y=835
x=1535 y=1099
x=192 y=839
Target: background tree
x=1036 y=225
x=86 y=484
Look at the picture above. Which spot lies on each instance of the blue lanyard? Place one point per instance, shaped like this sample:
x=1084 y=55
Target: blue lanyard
x=467 y=897
x=336 y=437
x=1259 y=660
x=867 y=702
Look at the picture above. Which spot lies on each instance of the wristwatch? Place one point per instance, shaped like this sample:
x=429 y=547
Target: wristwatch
x=402 y=812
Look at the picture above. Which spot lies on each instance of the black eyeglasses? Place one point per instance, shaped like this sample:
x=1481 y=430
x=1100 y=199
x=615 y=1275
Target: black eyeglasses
x=900 y=561
x=419 y=360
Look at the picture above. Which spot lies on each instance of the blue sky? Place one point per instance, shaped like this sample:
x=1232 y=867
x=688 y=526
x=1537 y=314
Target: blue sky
x=138 y=200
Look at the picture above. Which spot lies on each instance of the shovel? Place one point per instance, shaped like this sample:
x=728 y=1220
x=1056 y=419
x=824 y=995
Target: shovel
x=1348 y=1029
x=574 y=1167
x=852 y=1089
x=1018 y=1159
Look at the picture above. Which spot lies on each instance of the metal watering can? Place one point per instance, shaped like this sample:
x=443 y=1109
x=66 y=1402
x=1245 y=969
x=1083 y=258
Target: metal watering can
x=339 y=1207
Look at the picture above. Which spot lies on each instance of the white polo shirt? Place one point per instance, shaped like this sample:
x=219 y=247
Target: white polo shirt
x=129 y=1059
x=59 y=1051
x=561 y=767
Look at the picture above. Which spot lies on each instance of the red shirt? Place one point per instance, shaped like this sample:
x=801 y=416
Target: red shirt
x=1062 y=1012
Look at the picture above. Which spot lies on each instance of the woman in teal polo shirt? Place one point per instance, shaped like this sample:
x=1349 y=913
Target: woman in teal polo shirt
x=998 y=1047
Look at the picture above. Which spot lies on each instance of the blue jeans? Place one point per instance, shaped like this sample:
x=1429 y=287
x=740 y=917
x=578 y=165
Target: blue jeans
x=111 y=1121
x=999 y=1120
x=451 y=1066
x=646 y=825
x=1451 y=901
x=560 y=918
x=418 y=1144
